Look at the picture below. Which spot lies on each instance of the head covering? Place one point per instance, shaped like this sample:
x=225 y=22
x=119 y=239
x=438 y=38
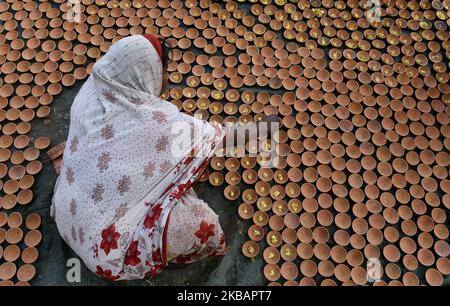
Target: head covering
x=126 y=163
x=156 y=44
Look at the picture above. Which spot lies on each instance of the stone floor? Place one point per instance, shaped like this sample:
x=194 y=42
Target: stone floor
x=233 y=269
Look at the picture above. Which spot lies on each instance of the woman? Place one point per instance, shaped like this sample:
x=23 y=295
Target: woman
x=123 y=201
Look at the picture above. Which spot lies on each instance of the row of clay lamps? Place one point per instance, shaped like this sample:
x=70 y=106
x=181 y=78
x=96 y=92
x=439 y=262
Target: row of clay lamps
x=293 y=233
x=18 y=241
x=18 y=168
x=342 y=111
x=32 y=72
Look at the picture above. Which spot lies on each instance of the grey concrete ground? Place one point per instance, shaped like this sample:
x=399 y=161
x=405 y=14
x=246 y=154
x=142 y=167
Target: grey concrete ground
x=233 y=269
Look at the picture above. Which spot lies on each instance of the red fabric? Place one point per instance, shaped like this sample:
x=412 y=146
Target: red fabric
x=164 y=244
x=156 y=44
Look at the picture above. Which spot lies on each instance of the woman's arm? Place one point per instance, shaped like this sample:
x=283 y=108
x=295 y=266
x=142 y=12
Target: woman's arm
x=239 y=135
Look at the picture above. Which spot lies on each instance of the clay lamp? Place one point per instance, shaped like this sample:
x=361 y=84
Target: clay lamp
x=216 y=179
x=7 y=270
x=320 y=235
x=274 y=239
x=264 y=203
x=260 y=218
x=8 y=201
x=26 y=272
x=2 y=235
x=5 y=154
x=294 y=205
x=15 y=220
x=3 y=219
x=280 y=208
x=11 y=253
x=248 y=162
x=280 y=176
x=231 y=192
x=371 y=251
x=216 y=108
x=271 y=255
x=434 y=277
x=308 y=268
x=262 y=188
x=34 y=167
x=249 y=196
x=218 y=163
x=256 y=232
x=232 y=164
x=443 y=265
x=30 y=154
x=29 y=255
x=33 y=221
x=33 y=238
x=276 y=223
x=250 y=176
x=245 y=211
x=24 y=197
x=272 y=272
x=10 y=187
x=250 y=249
x=42 y=143
x=233 y=178
x=277 y=192
x=14 y=235
x=291 y=220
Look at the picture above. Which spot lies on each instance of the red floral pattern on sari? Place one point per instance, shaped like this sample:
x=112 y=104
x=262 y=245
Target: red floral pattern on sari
x=157 y=267
x=152 y=216
x=132 y=255
x=205 y=231
x=109 y=239
x=106 y=274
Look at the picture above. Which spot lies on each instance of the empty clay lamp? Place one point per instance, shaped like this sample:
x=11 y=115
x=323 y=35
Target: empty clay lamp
x=33 y=238
x=14 y=235
x=34 y=167
x=33 y=221
x=7 y=270
x=15 y=220
x=26 y=272
x=29 y=255
x=11 y=253
x=276 y=223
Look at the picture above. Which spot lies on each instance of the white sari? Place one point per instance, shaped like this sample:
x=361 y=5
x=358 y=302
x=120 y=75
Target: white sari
x=122 y=171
